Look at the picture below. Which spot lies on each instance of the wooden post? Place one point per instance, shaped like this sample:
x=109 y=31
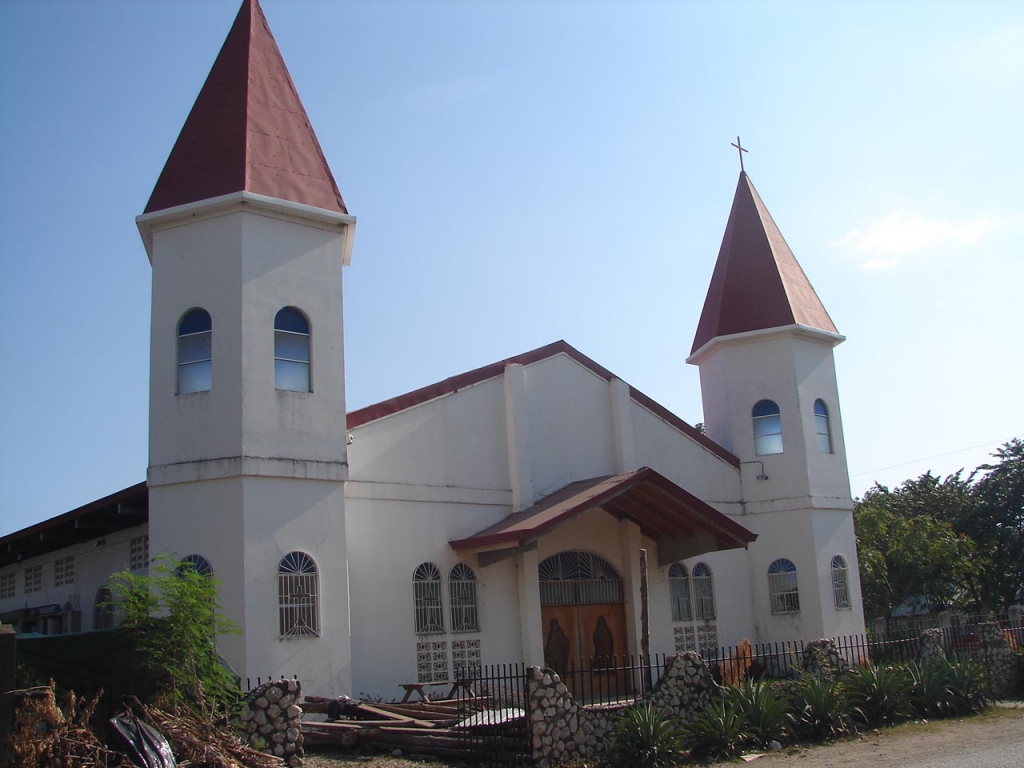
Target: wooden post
x=645 y=623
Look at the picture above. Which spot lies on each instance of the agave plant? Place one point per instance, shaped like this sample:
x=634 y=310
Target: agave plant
x=822 y=709
x=645 y=737
x=929 y=694
x=768 y=716
x=718 y=731
x=880 y=695
x=968 y=686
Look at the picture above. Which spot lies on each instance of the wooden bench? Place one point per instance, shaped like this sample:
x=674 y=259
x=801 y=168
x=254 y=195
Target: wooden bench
x=410 y=688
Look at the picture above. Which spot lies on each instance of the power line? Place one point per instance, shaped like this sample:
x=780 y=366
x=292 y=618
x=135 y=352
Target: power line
x=936 y=456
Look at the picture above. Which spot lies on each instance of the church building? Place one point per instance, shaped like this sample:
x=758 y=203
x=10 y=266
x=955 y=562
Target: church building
x=500 y=515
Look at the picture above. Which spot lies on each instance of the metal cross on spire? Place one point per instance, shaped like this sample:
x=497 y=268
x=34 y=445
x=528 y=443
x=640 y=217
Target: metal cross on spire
x=741 y=150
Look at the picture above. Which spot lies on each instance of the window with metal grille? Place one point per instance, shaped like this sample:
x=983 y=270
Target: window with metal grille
x=139 y=553
x=578 y=578
x=7 y=585
x=63 y=571
x=703 y=591
x=426 y=585
x=195 y=352
x=840 y=582
x=822 y=426
x=298 y=596
x=782 y=585
x=103 y=609
x=462 y=599
x=197 y=563
x=767 y=428
x=291 y=351
x=33 y=579
x=679 y=589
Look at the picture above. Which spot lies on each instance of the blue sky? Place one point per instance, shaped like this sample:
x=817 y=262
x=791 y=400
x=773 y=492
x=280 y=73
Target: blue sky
x=525 y=172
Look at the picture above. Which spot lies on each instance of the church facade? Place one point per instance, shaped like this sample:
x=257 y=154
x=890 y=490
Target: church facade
x=508 y=513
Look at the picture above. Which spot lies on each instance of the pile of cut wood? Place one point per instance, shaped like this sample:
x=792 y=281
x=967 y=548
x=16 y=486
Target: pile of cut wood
x=440 y=728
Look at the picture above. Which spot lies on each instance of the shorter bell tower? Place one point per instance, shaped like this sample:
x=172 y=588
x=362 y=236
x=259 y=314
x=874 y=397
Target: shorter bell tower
x=247 y=234
x=764 y=347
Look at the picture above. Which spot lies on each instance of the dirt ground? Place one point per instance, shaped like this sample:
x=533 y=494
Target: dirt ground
x=879 y=749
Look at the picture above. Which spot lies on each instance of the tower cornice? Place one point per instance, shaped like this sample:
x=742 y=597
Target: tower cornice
x=762 y=334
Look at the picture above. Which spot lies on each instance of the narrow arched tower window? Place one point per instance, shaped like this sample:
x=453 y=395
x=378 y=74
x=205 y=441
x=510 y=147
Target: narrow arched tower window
x=822 y=426
x=782 y=585
x=767 y=428
x=840 y=582
x=195 y=352
x=298 y=596
x=679 y=588
x=704 y=591
x=426 y=584
x=291 y=351
x=462 y=599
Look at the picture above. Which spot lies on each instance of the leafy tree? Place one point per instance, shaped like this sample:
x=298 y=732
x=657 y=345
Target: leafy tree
x=909 y=556
x=996 y=524
x=177 y=618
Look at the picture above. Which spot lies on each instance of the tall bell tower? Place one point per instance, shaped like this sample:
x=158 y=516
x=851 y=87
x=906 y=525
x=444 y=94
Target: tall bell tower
x=247 y=235
x=764 y=346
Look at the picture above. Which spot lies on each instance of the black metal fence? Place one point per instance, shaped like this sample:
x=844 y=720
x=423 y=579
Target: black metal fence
x=613 y=679
x=495 y=724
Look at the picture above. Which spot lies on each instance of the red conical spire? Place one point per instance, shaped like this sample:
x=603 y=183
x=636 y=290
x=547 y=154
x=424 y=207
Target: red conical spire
x=248 y=130
x=757 y=282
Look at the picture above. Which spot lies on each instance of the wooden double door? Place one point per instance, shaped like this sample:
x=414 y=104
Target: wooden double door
x=586 y=645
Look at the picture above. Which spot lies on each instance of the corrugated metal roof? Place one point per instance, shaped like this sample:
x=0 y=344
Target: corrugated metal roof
x=247 y=130
x=757 y=282
x=651 y=500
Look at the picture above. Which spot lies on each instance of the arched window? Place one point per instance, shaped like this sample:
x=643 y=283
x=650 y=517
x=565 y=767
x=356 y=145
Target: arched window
x=462 y=599
x=426 y=586
x=767 y=428
x=197 y=563
x=822 y=427
x=298 y=596
x=782 y=585
x=578 y=578
x=679 y=588
x=103 y=609
x=195 y=352
x=291 y=350
x=840 y=582
x=704 y=591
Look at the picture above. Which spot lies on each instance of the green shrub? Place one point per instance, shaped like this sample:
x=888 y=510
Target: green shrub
x=646 y=738
x=929 y=694
x=718 y=731
x=821 y=707
x=968 y=687
x=768 y=716
x=879 y=695
x=177 y=619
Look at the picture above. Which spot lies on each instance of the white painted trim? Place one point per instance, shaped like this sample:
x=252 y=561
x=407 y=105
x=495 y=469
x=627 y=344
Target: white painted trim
x=622 y=427
x=520 y=476
x=148 y=223
x=239 y=466
x=796 y=329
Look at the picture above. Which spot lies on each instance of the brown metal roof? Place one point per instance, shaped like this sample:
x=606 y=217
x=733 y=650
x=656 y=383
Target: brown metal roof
x=757 y=282
x=660 y=507
x=469 y=378
x=248 y=130
x=124 y=509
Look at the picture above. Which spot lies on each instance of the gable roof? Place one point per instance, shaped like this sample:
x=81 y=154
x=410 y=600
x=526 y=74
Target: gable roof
x=248 y=130
x=660 y=507
x=757 y=282
x=469 y=378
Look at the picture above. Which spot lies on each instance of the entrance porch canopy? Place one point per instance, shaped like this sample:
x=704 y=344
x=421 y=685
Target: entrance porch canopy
x=682 y=525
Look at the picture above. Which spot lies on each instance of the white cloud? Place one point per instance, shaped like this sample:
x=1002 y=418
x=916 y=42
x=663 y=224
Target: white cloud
x=996 y=57
x=885 y=242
